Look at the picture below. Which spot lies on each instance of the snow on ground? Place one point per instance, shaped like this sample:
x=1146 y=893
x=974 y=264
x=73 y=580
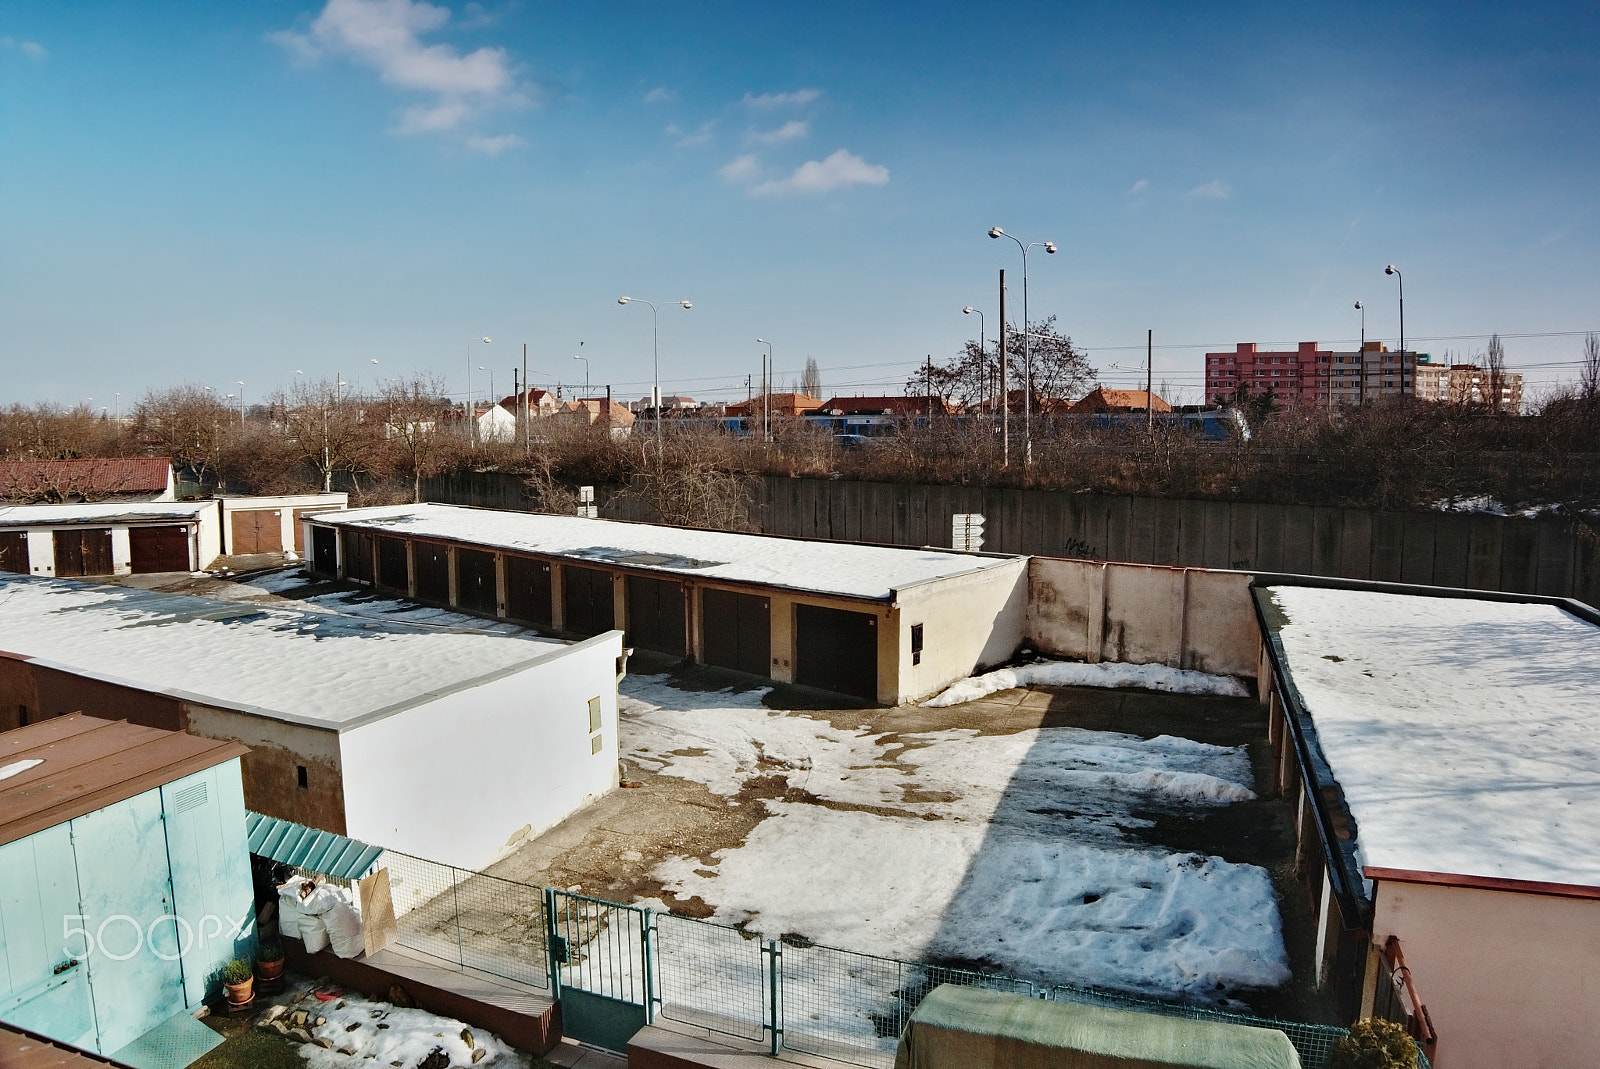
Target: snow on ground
x=1011 y=849
x=365 y=1033
x=1465 y=733
x=1104 y=674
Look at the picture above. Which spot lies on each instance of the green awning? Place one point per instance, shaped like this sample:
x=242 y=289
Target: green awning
x=308 y=848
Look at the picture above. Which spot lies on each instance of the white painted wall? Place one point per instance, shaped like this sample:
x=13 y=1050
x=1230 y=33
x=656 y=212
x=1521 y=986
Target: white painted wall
x=969 y=622
x=121 y=550
x=466 y=777
x=285 y=504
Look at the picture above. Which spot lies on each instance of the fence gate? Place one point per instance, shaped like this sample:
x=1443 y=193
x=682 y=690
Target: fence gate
x=601 y=965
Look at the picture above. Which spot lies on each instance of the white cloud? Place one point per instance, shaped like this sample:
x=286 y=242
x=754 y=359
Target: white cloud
x=767 y=101
x=493 y=146
x=386 y=35
x=823 y=176
x=1139 y=187
x=742 y=170
x=697 y=139
x=792 y=130
x=660 y=95
x=31 y=49
x=1216 y=189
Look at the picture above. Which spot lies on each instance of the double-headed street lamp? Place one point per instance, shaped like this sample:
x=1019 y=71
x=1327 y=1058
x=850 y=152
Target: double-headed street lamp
x=472 y=424
x=1027 y=350
x=982 y=342
x=655 y=348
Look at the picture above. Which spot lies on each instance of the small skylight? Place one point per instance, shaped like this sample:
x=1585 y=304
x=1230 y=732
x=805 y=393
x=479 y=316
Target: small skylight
x=18 y=767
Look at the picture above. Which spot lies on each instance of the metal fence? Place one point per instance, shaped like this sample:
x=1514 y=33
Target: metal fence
x=788 y=993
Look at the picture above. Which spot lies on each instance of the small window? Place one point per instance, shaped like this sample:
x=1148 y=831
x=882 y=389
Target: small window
x=300 y=772
x=594 y=745
x=594 y=714
x=916 y=643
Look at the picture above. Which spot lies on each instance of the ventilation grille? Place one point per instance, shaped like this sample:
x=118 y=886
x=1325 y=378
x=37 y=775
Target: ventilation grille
x=191 y=797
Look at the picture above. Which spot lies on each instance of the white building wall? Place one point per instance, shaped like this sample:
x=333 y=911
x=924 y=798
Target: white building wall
x=41 y=551
x=969 y=622
x=121 y=550
x=208 y=535
x=467 y=777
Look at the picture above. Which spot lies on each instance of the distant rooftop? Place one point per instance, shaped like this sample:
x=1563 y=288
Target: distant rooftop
x=839 y=568
x=94 y=477
x=58 y=769
x=1465 y=733
x=303 y=667
x=101 y=512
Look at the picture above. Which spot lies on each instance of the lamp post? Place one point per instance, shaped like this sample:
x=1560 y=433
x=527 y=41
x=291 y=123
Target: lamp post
x=982 y=343
x=655 y=351
x=472 y=424
x=241 y=402
x=1027 y=350
x=766 y=390
x=585 y=359
x=1361 y=360
x=1395 y=271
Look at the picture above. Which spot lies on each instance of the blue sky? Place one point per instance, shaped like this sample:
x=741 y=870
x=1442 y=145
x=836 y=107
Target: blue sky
x=221 y=192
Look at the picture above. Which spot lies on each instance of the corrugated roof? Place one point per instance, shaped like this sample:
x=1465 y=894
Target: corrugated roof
x=85 y=764
x=92 y=477
x=309 y=848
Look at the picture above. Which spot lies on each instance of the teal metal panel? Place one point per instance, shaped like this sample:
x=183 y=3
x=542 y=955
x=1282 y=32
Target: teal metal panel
x=601 y=1021
x=213 y=899
x=308 y=848
x=126 y=899
x=44 y=983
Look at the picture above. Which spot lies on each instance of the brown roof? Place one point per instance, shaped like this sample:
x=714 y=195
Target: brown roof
x=1103 y=400
x=86 y=764
x=84 y=479
x=780 y=402
x=20 y=1049
x=903 y=405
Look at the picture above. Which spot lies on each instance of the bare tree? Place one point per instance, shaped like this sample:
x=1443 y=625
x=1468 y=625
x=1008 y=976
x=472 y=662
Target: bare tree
x=811 y=379
x=188 y=424
x=413 y=434
x=1494 y=374
x=1589 y=374
x=330 y=431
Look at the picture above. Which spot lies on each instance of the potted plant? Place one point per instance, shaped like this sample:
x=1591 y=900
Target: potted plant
x=238 y=978
x=269 y=961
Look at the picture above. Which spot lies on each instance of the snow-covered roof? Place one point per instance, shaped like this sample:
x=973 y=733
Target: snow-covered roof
x=303 y=667
x=101 y=512
x=836 y=568
x=1465 y=733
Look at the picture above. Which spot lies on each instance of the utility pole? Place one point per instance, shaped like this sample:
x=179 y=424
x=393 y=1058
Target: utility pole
x=1005 y=399
x=928 y=382
x=1149 y=401
x=527 y=413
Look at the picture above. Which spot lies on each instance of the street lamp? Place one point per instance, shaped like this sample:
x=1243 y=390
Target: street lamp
x=655 y=349
x=472 y=424
x=585 y=359
x=1027 y=350
x=1395 y=271
x=241 y=402
x=766 y=389
x=983 y=350
x=1361 y=360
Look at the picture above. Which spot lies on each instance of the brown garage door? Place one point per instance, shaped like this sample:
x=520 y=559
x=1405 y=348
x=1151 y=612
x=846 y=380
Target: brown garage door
x=432 y=563
x=299 y=528
x=737 y=630
x=587 y=600
x=14 y=552
x=655 y=615
x=393 y=571
x=528 y=590
x=475 y=582
x=159 y=549
x=356 y=549
x=256 y=531
x=837 y=650
x=86 y=552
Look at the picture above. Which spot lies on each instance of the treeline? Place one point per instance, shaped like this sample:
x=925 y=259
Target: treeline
x=379 y=446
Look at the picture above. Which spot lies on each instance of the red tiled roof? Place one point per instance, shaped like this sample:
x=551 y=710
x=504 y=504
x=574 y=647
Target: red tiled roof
x=83 y=479
x=912 y=406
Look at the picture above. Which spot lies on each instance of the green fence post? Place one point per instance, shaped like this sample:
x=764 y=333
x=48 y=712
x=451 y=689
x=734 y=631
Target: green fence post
x=552 y=939
x=647 y=924
x=455 y=896
x=774 y=999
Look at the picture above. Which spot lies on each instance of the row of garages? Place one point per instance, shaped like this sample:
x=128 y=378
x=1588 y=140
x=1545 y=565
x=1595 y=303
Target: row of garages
x=868 y=640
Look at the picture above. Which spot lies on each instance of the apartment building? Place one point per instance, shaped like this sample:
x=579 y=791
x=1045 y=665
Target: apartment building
x=1468 y=384
x=1311 y=376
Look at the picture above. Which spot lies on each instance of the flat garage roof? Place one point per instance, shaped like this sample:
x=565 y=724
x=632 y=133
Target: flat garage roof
x=304 y=667
x=1465 y=733
x=837 y=568
x=101 y=512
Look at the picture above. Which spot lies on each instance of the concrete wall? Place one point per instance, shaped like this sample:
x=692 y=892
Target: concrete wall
x=1180 y=617
x=271 y=770
x=1509 y=979
x=471 y=775
x=49 y=692
x=970 y=622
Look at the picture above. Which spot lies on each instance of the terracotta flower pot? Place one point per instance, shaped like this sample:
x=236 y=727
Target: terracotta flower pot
x=269 y=970
x=241 y=993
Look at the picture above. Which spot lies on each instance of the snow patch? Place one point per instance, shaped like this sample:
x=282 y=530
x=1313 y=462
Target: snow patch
x=1105 y=674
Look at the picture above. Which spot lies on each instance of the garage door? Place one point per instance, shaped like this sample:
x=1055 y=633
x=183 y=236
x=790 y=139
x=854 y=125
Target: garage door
x=325 y=551
x=299 y=528
x=357 y=547
x=14 y=552
x=256 y=531
x=528 y=590
x=85 y=552
x=158 y=549
x=655 y=615
x=737 y=630
x=432 y=563
x=393 y=572
x=837 y=650
x=475 y=582
x=586 y=597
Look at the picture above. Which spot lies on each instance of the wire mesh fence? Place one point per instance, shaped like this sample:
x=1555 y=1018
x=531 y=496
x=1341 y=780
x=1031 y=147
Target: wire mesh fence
x=601 y=947
x=852 y=1007
x=713 y=976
